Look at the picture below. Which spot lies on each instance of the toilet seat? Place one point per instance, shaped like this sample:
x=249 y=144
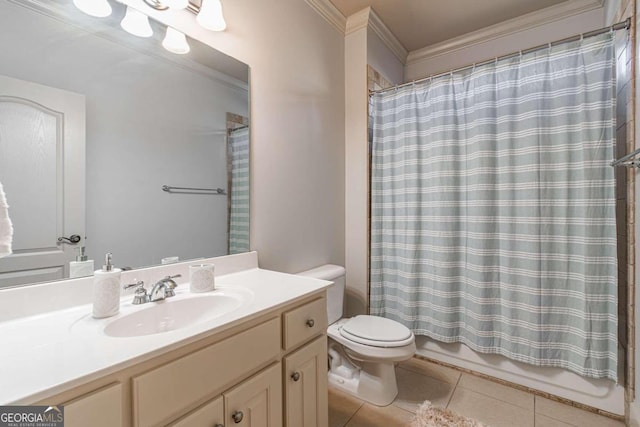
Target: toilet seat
x=376 y=331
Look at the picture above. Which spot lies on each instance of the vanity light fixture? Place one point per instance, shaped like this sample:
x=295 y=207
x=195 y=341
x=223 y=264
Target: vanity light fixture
x=175 y=42
x=136 y=23
x=157 y=4
x=168 y=4
x=176 y=4
x=210 y=15
x=97 y=8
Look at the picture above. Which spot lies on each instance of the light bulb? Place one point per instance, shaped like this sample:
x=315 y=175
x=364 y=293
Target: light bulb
x=136 y=23
x=176 y=4
x=97 y=8
x=210 y=15
x=176 y=42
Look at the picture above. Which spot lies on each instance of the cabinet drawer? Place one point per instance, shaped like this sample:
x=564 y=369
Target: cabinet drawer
x=166 y=392
x=102 y=408
x=208 y=415
x=304 y=322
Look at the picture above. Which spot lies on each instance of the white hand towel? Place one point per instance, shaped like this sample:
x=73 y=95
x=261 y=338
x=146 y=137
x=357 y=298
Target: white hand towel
x=6 y=228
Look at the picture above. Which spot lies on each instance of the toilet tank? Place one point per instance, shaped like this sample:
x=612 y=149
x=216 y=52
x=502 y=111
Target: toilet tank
x=335 y=292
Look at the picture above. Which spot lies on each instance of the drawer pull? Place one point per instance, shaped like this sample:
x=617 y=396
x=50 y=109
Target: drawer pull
x=218 y=425
x=237 y=417
x=310 y=323
x=295 y=376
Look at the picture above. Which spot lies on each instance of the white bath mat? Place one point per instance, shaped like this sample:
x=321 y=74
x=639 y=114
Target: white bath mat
x=431 y=416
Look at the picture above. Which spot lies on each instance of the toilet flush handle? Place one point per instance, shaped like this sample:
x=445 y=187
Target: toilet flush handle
x=310 y=323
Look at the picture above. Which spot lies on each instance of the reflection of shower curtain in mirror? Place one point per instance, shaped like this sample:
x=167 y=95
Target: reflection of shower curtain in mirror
x=238 y=155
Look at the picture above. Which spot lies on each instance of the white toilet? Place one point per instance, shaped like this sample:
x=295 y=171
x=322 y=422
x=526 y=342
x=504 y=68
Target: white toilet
x=363 y=350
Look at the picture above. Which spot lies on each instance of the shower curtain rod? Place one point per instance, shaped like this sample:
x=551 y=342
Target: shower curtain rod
x=229 y=130
x=628 y=160
x=624 y=25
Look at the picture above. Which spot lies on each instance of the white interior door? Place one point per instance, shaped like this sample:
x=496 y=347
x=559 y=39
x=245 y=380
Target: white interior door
x=42 y=169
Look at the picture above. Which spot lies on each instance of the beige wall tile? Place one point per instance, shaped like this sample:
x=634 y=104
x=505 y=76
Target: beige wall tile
x=415 y=388
x=497 y=391
x=488 y=410
x=433 y=370
x=374 y=416
x=571 y=415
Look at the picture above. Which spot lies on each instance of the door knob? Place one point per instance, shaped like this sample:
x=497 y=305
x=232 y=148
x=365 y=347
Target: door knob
x=74 y=238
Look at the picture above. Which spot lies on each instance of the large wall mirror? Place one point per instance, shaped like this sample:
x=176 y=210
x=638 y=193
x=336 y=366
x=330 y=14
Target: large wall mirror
x=139 y=151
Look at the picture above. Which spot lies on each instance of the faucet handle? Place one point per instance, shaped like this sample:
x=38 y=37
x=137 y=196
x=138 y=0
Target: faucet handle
x=171 y=285
x=170 y=282
x=134 y=285
x=140 y=296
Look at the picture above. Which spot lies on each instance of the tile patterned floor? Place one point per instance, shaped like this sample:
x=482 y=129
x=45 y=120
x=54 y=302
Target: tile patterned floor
x=494 y=404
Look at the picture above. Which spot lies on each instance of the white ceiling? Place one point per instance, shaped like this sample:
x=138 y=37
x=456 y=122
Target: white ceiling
x=420 y=23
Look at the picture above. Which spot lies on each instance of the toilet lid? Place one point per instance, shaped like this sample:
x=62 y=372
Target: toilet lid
x=376 y=331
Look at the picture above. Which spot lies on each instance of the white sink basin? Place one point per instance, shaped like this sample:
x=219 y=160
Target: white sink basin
x=176 y=313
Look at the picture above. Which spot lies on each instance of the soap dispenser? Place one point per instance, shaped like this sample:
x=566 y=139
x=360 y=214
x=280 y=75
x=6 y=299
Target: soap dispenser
x=82 y=266
x=106 y=290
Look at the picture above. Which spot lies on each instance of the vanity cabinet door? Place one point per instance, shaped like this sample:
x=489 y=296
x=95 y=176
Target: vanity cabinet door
x=102 y=408
x=305 y=384
x=256 y=402
x=208 y=415
x=171 y=390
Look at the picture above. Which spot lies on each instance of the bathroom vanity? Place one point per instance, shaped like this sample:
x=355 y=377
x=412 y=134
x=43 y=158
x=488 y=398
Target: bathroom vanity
x=263 y=362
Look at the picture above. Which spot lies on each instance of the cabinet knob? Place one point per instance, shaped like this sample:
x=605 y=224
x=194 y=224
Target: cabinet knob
x=295 y=376
x=237 y=416
x=310 y=323
x=218 y=425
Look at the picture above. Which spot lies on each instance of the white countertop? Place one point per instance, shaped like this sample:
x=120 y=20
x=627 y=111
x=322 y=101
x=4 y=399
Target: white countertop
x=42 y=355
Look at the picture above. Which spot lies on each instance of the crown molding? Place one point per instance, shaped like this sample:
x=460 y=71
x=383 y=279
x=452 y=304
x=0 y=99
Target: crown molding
x=387 y=37
x=365 y=17
x=506 y=28
x=330 y=13
x=357 y=21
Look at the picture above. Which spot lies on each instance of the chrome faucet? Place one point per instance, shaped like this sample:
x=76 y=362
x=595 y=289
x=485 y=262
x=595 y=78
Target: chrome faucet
x=164 y=288
x=160 y=291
